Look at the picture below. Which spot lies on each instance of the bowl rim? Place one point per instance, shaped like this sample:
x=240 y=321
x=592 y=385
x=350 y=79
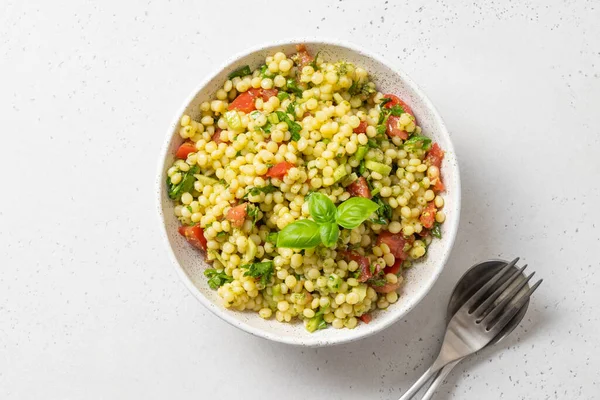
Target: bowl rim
x=223 y=313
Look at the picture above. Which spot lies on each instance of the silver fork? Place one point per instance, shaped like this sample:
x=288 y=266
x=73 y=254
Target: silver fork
x=478 y=321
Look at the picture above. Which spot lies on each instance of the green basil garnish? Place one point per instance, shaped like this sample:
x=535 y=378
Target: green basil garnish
x=355 y=211
x=303 y=234
x=330 y=232
x=321 y=208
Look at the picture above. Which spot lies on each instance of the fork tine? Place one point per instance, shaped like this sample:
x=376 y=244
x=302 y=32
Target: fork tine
x=509 y=297
x=479 y=294
x=514 y=309
x=490 y=300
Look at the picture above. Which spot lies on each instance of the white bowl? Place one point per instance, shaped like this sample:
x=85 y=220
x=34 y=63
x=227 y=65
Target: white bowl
x=419 y=279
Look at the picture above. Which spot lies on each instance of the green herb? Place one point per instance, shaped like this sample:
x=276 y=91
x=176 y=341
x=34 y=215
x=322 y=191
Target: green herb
x=384 y=101
x=329 y=233
x=384 y=212
x=361 y=168
x=238 y=153
x=292 y=86
x=361 y=152
x=436 y=230
x=313 y=63
x=321 y=208
x=282 y=96
x=185 y=185
x=354 y=88
x=243 y=71
x=272 y=237
x=291 y=108
x=397 y=110
x=253 y=213
x=255 y=191
x=372 y=144
x=265 y=73
x=302 y=234
x=262 y=270
x=217 y=278
x=417 y=142
x=354 y=211
x=381 y=129
x=342 y=68
x=293 y=126
x=267 y=128
x=221 y=234
x=377 y=281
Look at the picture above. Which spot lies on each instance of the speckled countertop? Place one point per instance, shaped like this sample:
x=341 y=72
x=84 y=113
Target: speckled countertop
x=90 y=306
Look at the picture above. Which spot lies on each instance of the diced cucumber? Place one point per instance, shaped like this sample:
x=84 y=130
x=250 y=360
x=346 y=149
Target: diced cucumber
x=273 y=118
x=334 y=282
x=233 y=120
x=361 y=291
x=339 y=172
x=205 y=180
x=361 y=152
x=250 y=252
x=349 y=179
x=378 y=167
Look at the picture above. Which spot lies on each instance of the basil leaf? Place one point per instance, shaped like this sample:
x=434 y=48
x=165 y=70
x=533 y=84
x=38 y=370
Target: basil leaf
x=303 y=234
x=262 y=270
x=329 y=233
x=355 y=211
x=321 y=208
x=436 y=231
x=243 y=71
x=417 y=142
x=272 y=237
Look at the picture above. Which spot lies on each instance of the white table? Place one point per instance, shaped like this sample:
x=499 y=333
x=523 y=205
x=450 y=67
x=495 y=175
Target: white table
x=90 y=306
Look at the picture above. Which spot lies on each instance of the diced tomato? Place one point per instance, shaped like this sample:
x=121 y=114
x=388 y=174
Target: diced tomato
x=194 y=235
x=360 y=188
x=303 y=57
x=266 y=94
x=396 y=101
x=366 y=318
x=435 y=156
x=185 y=149
x=361 y=128
x=244 y=102
x=237 y=215
x=428 y=215
x=439 y=186
x=216 y=137
x=363 y=264
x=387 y=288
x=279 y=170
x=395 y=241
x=394 y=269
x=392 y=128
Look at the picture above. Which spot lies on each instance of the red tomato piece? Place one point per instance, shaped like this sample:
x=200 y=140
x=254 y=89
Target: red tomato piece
x=395 y=241
x=244 y=102
x=396 y=101
x=361 y=128
x=428 y=215
x=194 y=235
x=439 y=186
x=394 y=269
x=387 y=288
x=266 y=94
x=237 y=215
x=363 y=264
x=392 y=128
x=185 y=149
x=360 y=188
x=366 y=318
x=279 y=170
x=216 y=137
x=304 y=58
x=435 y=156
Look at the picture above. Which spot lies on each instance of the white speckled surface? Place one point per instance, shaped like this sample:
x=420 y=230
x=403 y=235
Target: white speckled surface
x=90 y=306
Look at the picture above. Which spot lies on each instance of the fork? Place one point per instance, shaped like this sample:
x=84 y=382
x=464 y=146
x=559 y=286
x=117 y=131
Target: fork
x=478 y=321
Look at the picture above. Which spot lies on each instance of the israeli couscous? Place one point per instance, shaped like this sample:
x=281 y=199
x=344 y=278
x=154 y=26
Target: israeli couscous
x=307 y=190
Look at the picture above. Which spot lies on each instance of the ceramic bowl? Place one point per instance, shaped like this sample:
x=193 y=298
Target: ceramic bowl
x=418 y=280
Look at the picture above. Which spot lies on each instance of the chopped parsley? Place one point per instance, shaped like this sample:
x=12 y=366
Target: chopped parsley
x=292 y=87
x=185 y=185
x=436 y=231
x=384 y=212
x=293 y=126
x=243 y=71
x=261 y=270
x=217 y=278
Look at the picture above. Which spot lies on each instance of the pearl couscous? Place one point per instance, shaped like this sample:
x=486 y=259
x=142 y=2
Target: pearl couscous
x=308 y=190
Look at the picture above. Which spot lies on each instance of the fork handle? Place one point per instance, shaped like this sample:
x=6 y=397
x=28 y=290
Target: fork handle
x=438 y=380
x=435 y=367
